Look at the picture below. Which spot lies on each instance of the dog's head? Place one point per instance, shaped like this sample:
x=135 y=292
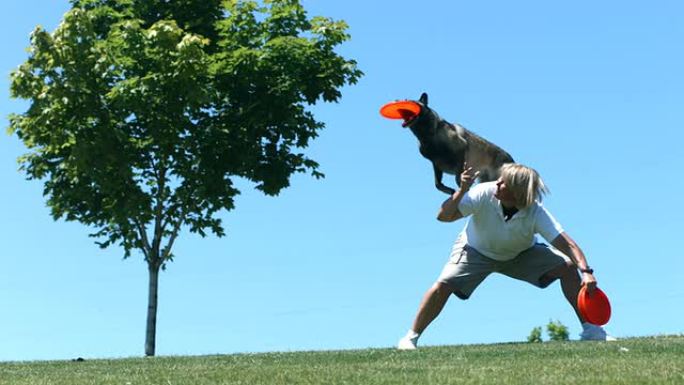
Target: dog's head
x=425 y=122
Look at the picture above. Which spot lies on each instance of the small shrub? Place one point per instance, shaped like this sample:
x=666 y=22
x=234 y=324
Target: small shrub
x=535 y=335
x=557 y=331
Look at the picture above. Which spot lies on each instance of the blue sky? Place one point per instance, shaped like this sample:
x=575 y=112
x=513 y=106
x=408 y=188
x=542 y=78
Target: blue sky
x=589 y=93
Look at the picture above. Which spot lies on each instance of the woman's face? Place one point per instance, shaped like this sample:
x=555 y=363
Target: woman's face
x=503 y=193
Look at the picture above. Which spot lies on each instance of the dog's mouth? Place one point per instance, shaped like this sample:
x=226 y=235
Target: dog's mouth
x=408 y=116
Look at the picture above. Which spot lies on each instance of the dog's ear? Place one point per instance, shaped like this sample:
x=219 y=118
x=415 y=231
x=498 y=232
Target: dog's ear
x=424 y=99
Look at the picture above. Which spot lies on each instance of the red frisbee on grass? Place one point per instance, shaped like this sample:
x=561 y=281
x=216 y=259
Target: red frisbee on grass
x=403 y=109
x=595 y=308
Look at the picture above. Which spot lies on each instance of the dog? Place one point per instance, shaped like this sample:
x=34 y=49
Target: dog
x=450 y=146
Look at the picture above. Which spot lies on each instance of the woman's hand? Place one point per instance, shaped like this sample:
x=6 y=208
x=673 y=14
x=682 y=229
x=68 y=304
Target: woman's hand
x=468 y=177
x=589 y=281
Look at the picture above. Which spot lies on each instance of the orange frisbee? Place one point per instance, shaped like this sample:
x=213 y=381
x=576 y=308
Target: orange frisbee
x=403 y=109
x=594 y=308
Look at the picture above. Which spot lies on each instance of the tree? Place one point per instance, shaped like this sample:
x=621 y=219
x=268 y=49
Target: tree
x=141 y=113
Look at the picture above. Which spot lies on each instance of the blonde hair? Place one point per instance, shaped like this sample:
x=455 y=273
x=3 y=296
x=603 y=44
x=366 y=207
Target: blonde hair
x=524 y=182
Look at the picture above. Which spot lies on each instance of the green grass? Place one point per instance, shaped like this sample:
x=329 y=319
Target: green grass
x=658 y=360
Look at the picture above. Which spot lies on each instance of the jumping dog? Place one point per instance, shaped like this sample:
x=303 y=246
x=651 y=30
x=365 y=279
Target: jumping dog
x=450 y=146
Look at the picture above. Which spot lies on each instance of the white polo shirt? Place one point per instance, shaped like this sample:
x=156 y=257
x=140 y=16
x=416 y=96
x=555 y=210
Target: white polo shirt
x=489 y=233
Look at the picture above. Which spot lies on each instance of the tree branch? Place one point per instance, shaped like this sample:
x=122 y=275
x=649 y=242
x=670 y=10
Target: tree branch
x=169 y=245
x=169 y=215
x=146 y=248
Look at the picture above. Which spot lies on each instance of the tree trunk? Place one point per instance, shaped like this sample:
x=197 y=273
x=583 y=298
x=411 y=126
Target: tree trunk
x=150 y=335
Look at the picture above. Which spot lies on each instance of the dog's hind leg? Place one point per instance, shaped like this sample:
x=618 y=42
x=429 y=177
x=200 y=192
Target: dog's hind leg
x=438 y=181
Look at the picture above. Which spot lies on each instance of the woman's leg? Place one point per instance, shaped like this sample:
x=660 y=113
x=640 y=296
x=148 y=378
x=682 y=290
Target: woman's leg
x=432 y=304
x=570 y=284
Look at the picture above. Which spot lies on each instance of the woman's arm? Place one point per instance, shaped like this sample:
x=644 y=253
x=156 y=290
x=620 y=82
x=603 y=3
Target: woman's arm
x=449 y=210
x=569 y=247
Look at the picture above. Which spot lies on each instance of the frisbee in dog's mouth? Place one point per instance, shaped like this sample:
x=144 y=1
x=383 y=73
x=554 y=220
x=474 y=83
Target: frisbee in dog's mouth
x=403 y=109
x=409 y=120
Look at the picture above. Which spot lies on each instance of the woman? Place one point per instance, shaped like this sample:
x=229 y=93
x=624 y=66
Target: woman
x=500 y=237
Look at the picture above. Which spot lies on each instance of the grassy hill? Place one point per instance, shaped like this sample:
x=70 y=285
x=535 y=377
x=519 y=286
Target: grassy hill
x=658 y=360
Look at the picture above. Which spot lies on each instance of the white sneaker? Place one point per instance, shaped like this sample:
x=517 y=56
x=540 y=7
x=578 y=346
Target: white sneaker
x=595 y=333
x=409 y=342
